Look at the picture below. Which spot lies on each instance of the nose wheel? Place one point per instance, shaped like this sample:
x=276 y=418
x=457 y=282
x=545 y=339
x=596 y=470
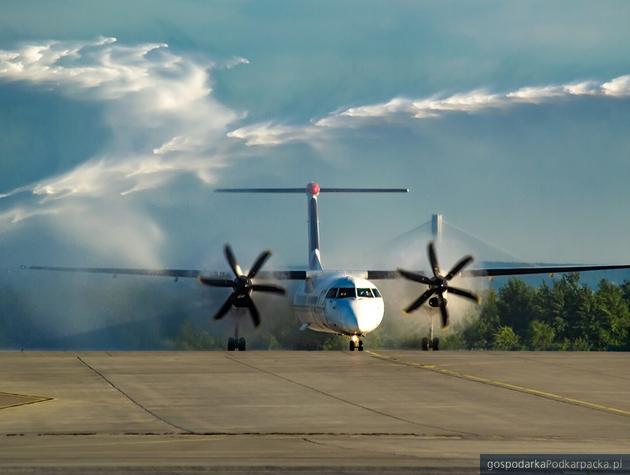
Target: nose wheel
x=355 y=344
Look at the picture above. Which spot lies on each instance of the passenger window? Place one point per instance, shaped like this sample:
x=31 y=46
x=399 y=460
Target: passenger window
x=345 y=293
x=376 y=293
x=364 y=293
x=331 y=293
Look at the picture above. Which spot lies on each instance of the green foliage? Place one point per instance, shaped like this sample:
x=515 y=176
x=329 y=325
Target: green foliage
x=191 y=338
x=563 y=314
x=542 y=336
x=335 y=343
x=479 y=334
x=454 y=341
x=580 y=344
x=515 y=304
x=505 y=339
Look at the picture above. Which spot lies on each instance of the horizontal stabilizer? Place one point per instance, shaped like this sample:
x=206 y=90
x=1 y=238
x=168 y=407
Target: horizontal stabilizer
x=305 y=190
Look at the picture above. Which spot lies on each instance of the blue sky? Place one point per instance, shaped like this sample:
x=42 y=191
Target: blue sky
x=118 y=119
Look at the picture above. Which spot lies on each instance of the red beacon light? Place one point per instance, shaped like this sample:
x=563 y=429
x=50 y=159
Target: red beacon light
x=312 y=189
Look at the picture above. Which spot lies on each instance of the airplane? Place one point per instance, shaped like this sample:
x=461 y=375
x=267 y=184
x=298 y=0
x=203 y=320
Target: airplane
x=345 y=303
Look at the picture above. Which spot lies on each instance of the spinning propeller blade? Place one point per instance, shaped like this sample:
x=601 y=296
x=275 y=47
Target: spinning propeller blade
x=438 y=285
x=242 y=286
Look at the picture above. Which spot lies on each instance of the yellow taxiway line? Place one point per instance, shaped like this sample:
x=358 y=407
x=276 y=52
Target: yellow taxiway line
x=504 y=385
x=15 y=399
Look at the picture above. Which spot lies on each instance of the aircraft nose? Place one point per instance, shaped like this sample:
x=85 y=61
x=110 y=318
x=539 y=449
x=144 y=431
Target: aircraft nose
x=356 y=317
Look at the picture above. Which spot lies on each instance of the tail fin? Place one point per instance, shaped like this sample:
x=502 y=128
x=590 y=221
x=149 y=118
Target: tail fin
x=312 y=191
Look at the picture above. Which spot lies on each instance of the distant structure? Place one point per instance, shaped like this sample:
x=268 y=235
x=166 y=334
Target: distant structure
x=437 y=227
x=452 y=240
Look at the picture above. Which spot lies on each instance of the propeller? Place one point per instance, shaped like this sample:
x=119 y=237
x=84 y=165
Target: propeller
x=242 y=286
x=438 y=284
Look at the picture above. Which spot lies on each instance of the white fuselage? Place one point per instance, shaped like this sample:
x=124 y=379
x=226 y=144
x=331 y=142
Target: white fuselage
x=337 y=302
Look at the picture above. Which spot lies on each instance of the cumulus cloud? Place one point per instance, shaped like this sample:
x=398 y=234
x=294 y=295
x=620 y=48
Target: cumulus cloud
x=409 y=111
x=268 y=133
x=162 y=116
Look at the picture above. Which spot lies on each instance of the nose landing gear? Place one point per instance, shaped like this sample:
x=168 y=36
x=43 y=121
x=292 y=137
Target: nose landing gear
x=355 y=343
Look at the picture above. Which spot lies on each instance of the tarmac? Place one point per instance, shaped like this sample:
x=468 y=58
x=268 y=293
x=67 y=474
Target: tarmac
x=304 y=412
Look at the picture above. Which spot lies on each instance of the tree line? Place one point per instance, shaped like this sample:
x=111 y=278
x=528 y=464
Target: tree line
x=566 y=315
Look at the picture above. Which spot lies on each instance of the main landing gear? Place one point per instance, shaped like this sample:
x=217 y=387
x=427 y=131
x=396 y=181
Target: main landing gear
x=355 y=343
x=431 y=342
x=236 y=343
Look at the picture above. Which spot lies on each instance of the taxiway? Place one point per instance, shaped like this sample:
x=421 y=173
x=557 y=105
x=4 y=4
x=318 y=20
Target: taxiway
x=304 y=412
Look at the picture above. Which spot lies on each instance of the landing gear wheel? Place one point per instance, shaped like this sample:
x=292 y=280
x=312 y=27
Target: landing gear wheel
x=351 y=345
x=360 y=345
x=425 y=344
x=231 y=344
x=435 y=344
x=242 y=344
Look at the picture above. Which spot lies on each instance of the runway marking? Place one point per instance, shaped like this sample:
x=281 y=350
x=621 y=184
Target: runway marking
x=13 y=399
x=148 y=411
x=504 y=385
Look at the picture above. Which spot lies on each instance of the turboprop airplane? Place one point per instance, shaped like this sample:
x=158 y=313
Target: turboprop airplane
x=333 y=301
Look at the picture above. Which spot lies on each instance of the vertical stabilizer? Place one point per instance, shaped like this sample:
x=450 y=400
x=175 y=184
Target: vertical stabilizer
x=312 y=193
x=314 y=255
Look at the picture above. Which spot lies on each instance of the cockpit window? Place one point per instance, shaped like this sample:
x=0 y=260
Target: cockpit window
x=346 y=292
x=364 y=293
x=331 y=293
x=376 y=293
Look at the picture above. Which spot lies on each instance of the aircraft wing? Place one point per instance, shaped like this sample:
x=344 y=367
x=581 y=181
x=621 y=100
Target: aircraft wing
x=174 y=273
x=302 y=274
x=505 y=271
x=508 y=271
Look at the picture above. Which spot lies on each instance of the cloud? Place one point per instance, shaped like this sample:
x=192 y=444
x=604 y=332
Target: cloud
x=163 y=121
x=409 y=111
x=268 y=133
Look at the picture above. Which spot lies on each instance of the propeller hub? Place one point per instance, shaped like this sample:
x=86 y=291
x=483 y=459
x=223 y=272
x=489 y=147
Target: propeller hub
x=242 y=284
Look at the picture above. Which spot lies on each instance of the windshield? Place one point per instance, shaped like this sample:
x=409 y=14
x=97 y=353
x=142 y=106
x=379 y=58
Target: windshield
x=345 y=293
x=376 y=293
x=364 y=293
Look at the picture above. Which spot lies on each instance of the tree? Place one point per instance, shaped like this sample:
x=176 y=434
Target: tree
x=614 y=314
x=453 y=341
x=568 y=296
x=516 y=305
x=542 y=336
x=191 y=338
x=579 y=344
x=480 y=333
x=505 y=339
